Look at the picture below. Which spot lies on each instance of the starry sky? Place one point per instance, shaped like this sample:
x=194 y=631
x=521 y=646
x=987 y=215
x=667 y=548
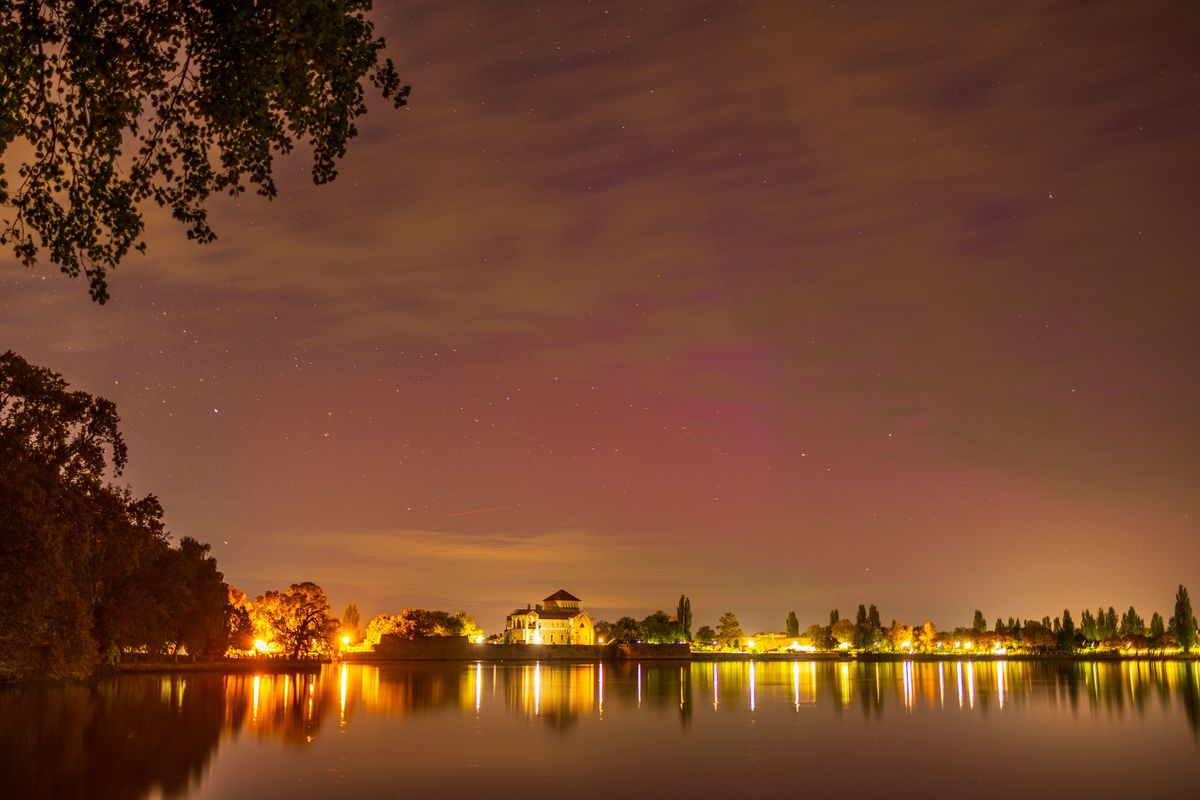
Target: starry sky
x=784 y=305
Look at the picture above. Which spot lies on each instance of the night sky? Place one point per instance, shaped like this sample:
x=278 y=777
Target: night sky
x=783 y=305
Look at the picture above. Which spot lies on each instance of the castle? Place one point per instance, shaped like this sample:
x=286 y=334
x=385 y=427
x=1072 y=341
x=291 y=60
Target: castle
x=556 y=620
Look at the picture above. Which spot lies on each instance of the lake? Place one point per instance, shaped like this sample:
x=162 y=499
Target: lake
x=728 y=729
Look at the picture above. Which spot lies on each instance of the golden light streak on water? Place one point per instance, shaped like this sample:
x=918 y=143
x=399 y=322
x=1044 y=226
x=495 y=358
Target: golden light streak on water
x=254 y=716
x=971 y=683
x=941 y=685
x=342 y=699
x=1001 y=679
x=752 y=688
x=478 y=685
x=537 y=688
x=796 y=684
x=960 y=685
x=714 y=666
x=602 y=689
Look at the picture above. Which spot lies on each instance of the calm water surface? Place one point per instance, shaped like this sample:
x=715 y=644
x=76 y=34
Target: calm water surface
x=762 y=729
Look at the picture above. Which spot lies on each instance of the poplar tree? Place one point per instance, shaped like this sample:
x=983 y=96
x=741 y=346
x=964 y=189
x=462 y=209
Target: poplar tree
x=793 y=624
x=1068 y=630
x=1183 y=623
x=683 y=614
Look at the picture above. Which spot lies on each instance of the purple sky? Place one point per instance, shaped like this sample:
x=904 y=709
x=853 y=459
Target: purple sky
x=781 y=305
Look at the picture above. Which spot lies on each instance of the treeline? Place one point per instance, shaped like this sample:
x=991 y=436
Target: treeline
x=656 y=628
x=89 y=573
x=87 y=567
x=420 y=623
x=1102 y=630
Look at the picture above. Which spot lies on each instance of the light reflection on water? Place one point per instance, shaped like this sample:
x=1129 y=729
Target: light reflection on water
x=220 y=736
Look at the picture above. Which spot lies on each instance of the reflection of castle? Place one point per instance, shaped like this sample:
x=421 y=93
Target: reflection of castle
x=556 y=620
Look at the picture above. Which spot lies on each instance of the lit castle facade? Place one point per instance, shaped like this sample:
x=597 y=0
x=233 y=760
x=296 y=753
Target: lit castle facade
x=556 y=620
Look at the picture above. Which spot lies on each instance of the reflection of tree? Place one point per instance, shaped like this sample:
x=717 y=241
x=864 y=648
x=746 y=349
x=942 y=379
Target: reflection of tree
x=1189 y=694
x=120 y=739
x=291 y=708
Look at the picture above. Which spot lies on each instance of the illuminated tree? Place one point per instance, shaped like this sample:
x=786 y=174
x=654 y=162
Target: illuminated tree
x=300 y=619
x=385 y=624
x=819 y=637
x=792 y=625
x=728 y=628
x=899 y=636
x=979 y=623
x=1157 y=625
x=844 y=631
x=834 y=616
x=928 y=636
x=124 y=102
x=705 y=635
x=659 y=628
x=1183 y=622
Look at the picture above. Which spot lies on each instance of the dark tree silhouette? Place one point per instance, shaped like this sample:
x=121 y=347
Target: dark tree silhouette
x=115 y=102
x=87 y=567
x=683 y=613
x=1183 y=623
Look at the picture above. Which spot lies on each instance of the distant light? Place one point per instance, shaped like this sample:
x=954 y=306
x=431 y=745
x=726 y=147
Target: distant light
x=750 y=644
x=345 y=640
x=968 y=645
x=905 y=645
x=844 y=646
x=600 y=640
x=260 y=645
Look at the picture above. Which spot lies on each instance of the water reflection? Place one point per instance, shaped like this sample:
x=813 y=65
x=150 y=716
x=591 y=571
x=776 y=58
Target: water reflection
x=138 y=736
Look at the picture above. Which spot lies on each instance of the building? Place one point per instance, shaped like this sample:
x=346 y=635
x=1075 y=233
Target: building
x=556 y=620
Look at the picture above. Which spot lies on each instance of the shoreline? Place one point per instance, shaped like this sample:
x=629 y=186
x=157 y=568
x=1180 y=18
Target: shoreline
x=230 y=667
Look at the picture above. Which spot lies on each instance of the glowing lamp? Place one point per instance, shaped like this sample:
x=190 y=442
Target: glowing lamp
x=260 y=645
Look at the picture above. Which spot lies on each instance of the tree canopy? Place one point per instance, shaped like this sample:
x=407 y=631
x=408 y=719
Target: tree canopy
x=88 y=570
x=113 y=103
x=300 y=619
